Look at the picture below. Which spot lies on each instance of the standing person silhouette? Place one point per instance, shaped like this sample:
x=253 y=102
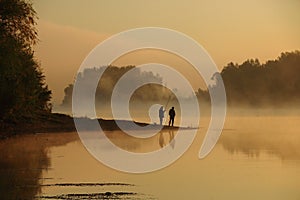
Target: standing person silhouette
x=161 y=115
x=172 y=116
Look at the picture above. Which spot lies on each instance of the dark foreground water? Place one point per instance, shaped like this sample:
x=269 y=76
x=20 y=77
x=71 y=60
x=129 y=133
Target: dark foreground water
x=255 y=158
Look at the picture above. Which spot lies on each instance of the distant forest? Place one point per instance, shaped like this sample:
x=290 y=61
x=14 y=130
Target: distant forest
x=146 y=93
x=275 y=83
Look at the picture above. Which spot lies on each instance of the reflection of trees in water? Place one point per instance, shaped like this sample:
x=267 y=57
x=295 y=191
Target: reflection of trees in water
x=282 y=144
x=22 y=160
x=123 y=141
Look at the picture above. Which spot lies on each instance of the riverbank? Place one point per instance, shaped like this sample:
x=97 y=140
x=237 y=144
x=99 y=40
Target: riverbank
x=57 y=122
x=46 y=123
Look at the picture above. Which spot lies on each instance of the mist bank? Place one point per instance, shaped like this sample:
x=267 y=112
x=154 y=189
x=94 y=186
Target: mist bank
x=109 y=78
x=251 y=87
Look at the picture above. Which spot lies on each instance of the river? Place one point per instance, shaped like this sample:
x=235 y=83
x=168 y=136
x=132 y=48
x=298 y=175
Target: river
x=256 y=157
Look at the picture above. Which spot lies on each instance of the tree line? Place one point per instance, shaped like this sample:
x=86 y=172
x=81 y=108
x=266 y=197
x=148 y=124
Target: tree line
x=274 y=83
x=110 y=77
x=24 y=94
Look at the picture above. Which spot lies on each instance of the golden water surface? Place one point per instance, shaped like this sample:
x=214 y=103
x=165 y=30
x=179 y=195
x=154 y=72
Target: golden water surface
x=256 y=158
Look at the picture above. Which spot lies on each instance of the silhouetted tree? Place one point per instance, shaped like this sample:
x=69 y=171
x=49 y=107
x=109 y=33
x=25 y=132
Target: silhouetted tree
x=109 y=78
x=277 y=82
x=23 y=92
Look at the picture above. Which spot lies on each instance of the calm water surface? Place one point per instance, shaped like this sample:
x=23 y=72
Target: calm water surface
x=255 y=158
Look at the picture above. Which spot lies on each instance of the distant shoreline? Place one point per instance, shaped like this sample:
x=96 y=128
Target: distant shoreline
x=57 y=122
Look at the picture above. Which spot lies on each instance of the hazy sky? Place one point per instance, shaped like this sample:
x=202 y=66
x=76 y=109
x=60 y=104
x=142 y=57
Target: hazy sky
x=231 y=30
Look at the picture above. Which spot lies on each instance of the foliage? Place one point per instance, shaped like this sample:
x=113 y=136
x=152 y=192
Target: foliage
x=17 y=21
x=276 y=83
x=149 y=92
x=23 y=92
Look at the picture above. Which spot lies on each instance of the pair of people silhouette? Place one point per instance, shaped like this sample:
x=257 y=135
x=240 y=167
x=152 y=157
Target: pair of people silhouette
x=172 y=114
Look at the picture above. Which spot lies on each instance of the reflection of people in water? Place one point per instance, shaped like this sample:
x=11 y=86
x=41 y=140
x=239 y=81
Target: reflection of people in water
x=172 y=139
x=164 y=140
x=172 y=116
x=161 y=140
x=161 y=115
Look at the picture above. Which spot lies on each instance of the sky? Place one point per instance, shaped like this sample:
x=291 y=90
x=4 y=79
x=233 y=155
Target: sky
x=230 y=31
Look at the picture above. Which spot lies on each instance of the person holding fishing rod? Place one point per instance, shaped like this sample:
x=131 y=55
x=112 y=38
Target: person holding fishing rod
x=161 y=115
x=161 y=112
x=171 y=113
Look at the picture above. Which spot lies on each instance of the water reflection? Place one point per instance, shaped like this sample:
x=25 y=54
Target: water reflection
x=273 y=135
x=252 y=145
x=166 y=138
x=142 y=145
x=22 y=160
x=57 y=166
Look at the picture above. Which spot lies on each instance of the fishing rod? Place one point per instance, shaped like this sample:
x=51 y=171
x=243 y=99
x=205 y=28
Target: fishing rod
x=168 y=101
